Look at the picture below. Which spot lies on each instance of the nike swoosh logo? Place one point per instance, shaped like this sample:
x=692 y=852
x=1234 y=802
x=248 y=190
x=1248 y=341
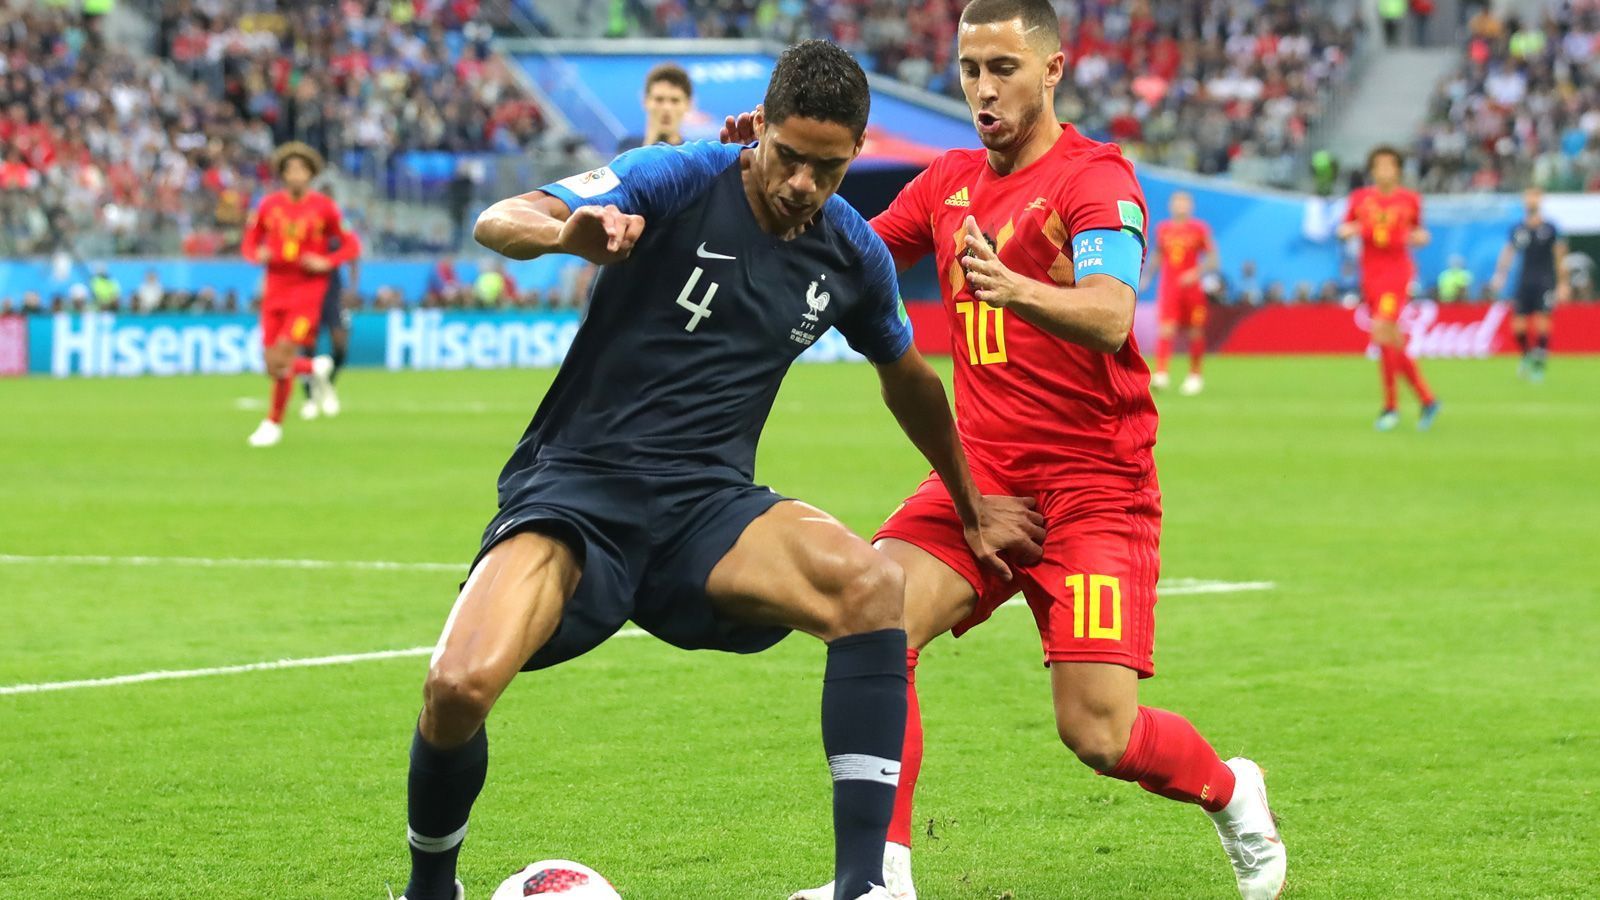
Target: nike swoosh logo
x=887 y=772
x=703 y=253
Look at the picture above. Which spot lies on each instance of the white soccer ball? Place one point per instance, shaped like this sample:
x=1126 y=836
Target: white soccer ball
x=558 y=878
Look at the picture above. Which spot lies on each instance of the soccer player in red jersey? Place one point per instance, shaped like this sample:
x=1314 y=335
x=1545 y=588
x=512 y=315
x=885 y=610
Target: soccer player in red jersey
x=1388 y=219
x=290 y=233
x=1038 y=240
x=1184 y=251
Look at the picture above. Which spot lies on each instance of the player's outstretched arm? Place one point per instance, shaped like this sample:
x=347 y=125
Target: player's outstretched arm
x=536 y=223
x=913 y=392
x=1097 y=312
x=1502 y=266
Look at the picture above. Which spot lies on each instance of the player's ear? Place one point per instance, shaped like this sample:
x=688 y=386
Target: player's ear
x=1055 y=66
x=758 y=119
x=861 y=141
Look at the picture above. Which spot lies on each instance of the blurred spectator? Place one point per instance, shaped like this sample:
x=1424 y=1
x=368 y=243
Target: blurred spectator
x=1248 y=290
x=1522 y=108
x=1455 y=282
x=107 y=291
x=493 y=287
x=150 y=293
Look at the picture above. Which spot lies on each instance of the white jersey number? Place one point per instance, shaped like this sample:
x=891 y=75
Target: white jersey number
x=702 y=310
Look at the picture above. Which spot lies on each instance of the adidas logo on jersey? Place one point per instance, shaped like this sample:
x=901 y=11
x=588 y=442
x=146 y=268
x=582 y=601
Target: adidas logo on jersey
x=959 y=198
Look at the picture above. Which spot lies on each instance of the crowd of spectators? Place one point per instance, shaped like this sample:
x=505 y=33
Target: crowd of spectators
x=110 y=148
x=1522 y=108
x=1214 y=86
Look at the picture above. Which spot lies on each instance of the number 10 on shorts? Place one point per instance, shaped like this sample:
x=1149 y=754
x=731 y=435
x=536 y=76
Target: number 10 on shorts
x=1090 y=593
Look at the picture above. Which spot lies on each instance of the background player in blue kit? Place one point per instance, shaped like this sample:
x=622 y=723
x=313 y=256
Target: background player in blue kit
x=1541 y=281
x=631 y=494
x=336 y=321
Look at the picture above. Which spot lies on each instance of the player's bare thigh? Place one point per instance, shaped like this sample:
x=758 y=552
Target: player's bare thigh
x=1095 y=705
x=279 y=358
x=509 y=607
x=797 y=567
x=938 y=598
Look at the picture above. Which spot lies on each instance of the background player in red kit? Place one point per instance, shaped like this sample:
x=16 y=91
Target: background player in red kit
x=290 y=234
x=1038 y=241
x=1184 y=252
x=1388 y=219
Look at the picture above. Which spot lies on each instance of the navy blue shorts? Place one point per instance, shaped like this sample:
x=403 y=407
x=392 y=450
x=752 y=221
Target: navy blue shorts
x=647 y=541
x=1534 y=298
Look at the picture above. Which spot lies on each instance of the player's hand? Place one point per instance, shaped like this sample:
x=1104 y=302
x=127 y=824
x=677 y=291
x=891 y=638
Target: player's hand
x=1419 y=237
x=991 y=281
x=601 y=234
x=1496 y=285
x=740 y=129
x=1563 y=294
x=315 y=263
x=263 y=256
x=1347 y=230
x=1189 y=278
x=1014 y=526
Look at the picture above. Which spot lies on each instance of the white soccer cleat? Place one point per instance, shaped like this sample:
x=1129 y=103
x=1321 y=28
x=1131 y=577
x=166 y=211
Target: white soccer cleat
x=1160 y=382
x=1192 y=385
x=1250 y=835
x=878 y=892
x=309 y=410
x=896 y=878
x=321 y=371
x=461 y=893
x=267 y=434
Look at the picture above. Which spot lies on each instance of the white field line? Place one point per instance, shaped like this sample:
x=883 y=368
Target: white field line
x=1170 y=588
x=234 y=562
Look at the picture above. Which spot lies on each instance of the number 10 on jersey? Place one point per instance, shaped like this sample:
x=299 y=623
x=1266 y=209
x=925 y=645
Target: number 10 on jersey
x=702 y=310
x=986 y=332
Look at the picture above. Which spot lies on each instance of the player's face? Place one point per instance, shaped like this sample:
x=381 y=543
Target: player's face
x=802 y=161
x=1181 y=206
x=666 y=104
x=1008 y=81
x=1532 y=200
x=1385 y=171
x=296 y=174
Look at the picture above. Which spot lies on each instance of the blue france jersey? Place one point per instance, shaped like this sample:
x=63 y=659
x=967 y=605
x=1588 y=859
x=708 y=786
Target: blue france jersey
x=686 y=341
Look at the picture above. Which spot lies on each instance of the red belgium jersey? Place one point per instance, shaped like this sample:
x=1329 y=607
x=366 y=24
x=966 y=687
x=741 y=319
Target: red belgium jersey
x=289 y=229
x=1040 y=411
x=1180 y=245
x=1386 y=221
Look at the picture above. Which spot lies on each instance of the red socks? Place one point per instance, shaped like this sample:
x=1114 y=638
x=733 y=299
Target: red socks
x=1386 y=368
x=910 y=758
x=280 y=398
x=1163 y=353
x=1395 y=362
x=302 y=365
x=1167 y=756
x=1197 y=352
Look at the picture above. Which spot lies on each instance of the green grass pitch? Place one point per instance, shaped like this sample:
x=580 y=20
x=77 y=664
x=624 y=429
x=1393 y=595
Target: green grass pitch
x=1421 y=684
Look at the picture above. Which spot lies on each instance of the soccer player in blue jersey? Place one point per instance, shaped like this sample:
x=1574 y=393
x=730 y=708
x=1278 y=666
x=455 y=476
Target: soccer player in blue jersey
x=631 y=494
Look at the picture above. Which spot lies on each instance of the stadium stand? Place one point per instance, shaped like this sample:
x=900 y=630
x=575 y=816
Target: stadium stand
x=1523 y=107
x=1209 y=86
x=158 y=150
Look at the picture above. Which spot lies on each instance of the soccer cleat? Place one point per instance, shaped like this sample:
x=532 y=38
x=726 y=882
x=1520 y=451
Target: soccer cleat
x=309 y=410
x=1524 y=367
x=1159 y=381
x=896 y=878
x=1387 y=420
x=267 y=434
x=878 y=892
x=1429 y=413
x=1249 y=834
x=461 y=893
x=1192 y=385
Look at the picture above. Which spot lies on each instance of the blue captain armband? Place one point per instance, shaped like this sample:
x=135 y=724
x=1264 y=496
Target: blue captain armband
x=1105 y=251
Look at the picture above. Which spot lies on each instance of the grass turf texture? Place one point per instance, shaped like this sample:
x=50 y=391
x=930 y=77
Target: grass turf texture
x=1415 y=685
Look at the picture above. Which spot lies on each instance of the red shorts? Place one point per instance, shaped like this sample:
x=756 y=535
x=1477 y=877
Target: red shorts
x=1386 y=297
x=1184 y=306
x=296 y=324
x=1093 y=595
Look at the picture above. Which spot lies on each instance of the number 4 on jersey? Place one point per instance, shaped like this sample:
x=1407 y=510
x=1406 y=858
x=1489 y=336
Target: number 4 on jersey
x=703 y=309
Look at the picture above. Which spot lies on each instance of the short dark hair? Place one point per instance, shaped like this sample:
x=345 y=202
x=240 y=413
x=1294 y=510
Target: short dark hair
x=818 y=80
x=672 y=74
x=1038 y=18
x=1388 y=150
